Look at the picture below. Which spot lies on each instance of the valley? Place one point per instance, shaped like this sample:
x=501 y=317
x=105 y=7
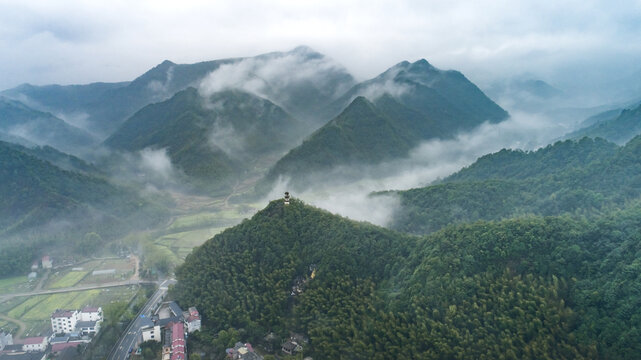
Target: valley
x=426 y=221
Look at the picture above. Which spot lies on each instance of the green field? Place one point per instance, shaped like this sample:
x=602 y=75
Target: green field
x=68 y=280
x=14 y=284
x=18 y=311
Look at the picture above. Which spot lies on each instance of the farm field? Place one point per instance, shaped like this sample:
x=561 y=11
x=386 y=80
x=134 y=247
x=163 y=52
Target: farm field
x=35 y=311
x=16 y=284
x=69 y=279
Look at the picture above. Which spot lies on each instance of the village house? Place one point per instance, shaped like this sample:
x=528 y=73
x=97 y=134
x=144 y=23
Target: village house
x=149 y=330
x=243 y=352
x=23 y=356
x=34 y=344
x=64 y=321
x=47 y=262
x=85 y=322
x=5 y=339
x=192 y=319
x=178 y=341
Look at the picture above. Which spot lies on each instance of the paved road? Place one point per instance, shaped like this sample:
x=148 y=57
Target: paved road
x=131 y=337
x=75 y=288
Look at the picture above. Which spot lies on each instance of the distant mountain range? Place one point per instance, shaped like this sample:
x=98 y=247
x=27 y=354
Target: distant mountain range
x=618 y=125
x=218 y=119
x=386 y=117
x=22 y=124
x=302 y=81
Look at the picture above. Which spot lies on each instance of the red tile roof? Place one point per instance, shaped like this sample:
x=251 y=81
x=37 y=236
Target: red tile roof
x=62 y=313
x=177 y=341
x=31 y=340
x=61 y=346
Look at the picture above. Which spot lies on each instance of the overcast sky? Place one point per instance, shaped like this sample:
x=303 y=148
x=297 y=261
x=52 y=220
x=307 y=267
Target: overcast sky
x=64 y=41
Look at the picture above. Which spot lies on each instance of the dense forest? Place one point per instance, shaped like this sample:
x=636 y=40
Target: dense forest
x=37 y=195
x=531 y=287
x=585 y=178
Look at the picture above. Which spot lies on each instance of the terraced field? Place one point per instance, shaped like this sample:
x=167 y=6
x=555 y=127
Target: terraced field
x=68 y=280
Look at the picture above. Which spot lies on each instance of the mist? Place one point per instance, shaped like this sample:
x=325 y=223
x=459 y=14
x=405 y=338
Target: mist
x=347 y=190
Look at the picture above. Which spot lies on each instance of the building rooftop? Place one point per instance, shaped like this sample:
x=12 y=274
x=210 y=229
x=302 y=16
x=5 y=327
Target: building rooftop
x=63 y=313
x=175 y=309
x=59 y=339
x=23 y=356
x=90 y=309
x=59 y=347
x=30 y=340
x=145 y=322
x=86 y=324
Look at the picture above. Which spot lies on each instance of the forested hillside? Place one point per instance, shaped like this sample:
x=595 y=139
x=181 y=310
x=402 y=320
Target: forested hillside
x=36 y=194
x=212 y=140
x=382 y=119
x=618 y=126
x=586 y=177
x=530 y=288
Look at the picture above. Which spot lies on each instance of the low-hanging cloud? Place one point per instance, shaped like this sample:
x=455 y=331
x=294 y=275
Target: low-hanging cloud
x=157 y=163
x=346 y=190
x=271 y=76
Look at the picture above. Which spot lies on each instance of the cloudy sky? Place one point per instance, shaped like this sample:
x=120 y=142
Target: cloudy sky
x=564 y=42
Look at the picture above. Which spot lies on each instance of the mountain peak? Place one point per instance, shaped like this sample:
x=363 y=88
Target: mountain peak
x=307 y=52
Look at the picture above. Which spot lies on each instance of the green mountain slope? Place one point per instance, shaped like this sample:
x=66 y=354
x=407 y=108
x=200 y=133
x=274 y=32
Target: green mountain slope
x=405 y=105
x=586 y=177
x=20 y=121
x=530 y=288
x=618 y=126
x=301 y=80
x=210 y=140
x=38 y=196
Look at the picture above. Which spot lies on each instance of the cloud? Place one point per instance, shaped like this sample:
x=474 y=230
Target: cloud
x=161 y=89
x=157 y=163
x=272 y=76
x=71 y=41
x=346 y=190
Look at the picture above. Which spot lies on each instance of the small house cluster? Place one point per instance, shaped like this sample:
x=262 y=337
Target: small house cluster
x=84 y=322
x=243 y=352
x=169 y=325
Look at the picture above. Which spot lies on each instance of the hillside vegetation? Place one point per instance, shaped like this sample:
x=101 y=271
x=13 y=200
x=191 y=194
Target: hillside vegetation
x=528 y=288
x=586 y=177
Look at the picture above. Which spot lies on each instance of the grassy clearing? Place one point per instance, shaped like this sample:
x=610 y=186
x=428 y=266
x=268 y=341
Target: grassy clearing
x=10 y=304
x=71 y=300
x=18 y=311
x=68 y=280
x=14 y=284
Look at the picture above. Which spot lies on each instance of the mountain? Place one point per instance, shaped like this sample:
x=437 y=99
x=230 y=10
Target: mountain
x=211 y=140
x=39 y=197
x=528 y=288
x=583 y=178
x=29 y=126
x=407 y=104
x=301 y=80
x=531 y=95
x=617 y=125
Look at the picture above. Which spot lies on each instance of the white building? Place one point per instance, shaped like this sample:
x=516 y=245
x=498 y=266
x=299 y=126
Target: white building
x=47 y=262
x=89 y=313
x=64 y=321
x=193 y=320
x=5 y=339
x=34 y=344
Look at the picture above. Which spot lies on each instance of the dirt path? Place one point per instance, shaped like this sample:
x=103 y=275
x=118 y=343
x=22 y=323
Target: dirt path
x=136 y=275
x=21 y=326
x=43 y=280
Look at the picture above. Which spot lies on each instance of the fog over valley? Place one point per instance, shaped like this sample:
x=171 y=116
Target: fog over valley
x=285 y=180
